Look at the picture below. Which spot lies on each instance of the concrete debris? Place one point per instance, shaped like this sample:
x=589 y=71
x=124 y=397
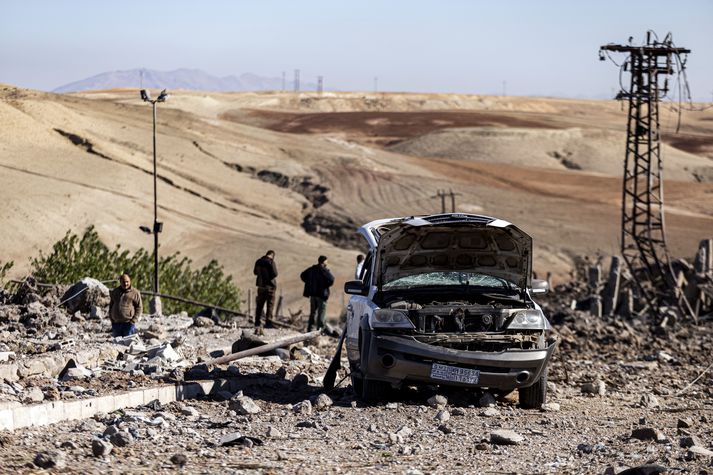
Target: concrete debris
x=443 y=416
x=179 y=459
x=121 y=439
x=101 y=448
x=649 y=401
x=84 y=294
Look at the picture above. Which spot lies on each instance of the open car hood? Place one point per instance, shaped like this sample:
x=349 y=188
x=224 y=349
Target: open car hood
x=451 y=242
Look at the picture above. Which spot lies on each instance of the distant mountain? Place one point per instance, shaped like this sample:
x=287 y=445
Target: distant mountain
x=193 y=79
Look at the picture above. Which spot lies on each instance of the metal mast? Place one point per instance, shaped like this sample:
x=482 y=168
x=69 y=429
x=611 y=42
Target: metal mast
x=643 y=239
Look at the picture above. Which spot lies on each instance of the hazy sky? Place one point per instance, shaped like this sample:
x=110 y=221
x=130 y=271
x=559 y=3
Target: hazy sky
x=538 y=47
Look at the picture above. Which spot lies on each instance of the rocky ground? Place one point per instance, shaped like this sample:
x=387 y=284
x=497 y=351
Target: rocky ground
x=620 y=396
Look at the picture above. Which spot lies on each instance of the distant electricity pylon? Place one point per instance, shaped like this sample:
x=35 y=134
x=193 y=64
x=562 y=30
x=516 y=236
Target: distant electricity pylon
x=643 y=239
x=320 y=84
x=297 y=80
x=442 y=195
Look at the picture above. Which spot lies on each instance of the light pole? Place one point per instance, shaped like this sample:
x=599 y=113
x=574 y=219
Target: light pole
x=155 y=302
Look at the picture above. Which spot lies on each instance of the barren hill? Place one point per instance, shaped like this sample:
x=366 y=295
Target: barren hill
x=244 y=172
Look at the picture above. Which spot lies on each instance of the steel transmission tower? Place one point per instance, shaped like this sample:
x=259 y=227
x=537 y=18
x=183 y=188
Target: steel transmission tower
x=643 y=239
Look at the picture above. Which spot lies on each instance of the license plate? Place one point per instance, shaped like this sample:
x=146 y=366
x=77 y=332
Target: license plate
x=455 y=374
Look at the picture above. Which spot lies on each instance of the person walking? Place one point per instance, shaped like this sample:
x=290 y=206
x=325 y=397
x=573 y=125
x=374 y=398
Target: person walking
x=318 y=279
x=266 y=272
x=124 y=307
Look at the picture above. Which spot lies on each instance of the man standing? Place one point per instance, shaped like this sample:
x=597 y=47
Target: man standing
x=318 y=279
x=124 y=307
x=266 y=271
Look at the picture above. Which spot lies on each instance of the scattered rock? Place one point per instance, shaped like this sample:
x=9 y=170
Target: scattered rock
x=443 y=416
x=686 y=423
x=50 y=459
x=648 y=433
x=690 y=441
x=274 y=433
x=696 y=452
x=323 y=402
x=597 y=387
x=304 y=408
x=121 y=439
x=490 y=412
x=34 y=394
x=101 y=448
x=243 y=405
x=438 y=401
x=458 y=411
x=648 y=469
x=550 y=407
x=203 y=322
x=179 y=459
x=445 y=429
x=648 y=400
x=190 y=411
x=236 y=438
x=505 y=437
x=299 y=381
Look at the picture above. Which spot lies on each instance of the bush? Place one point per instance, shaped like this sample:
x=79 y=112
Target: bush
x=73 y=258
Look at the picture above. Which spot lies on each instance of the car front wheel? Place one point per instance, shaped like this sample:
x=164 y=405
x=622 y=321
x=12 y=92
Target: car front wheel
x=533 y=397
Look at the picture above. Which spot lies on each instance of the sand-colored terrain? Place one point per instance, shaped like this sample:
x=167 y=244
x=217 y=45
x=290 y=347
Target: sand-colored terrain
x=240 y=173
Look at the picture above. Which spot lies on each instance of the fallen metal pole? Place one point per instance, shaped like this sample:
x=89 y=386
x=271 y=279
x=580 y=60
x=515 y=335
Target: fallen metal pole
x=265 y=348
x=193 y=302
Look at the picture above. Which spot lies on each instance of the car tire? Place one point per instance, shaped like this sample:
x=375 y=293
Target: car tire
x=533 y=397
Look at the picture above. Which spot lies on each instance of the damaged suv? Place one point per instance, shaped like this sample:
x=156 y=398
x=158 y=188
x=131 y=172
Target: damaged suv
x=446 y=300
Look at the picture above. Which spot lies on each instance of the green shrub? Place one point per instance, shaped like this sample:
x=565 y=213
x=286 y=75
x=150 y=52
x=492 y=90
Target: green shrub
x=73 y=258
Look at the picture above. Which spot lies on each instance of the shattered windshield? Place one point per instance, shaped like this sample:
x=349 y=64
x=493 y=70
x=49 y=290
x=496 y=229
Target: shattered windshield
x=430 y=279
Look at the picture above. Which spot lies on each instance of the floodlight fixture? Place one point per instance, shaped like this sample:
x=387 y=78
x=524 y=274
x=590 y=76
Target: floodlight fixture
x=162 y=97
x=145 y=229
x=145 y=95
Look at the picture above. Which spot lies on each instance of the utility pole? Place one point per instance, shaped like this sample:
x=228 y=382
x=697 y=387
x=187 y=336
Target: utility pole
x=320 y=84
x=297 y=80
x=155 y=303
x=643 y=240
x=453 y=200
x=442 y=195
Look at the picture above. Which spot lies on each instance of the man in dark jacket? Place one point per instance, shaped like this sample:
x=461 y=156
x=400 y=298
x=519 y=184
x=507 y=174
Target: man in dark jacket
x=318 y=279
x=124 y=307
x=266 y=271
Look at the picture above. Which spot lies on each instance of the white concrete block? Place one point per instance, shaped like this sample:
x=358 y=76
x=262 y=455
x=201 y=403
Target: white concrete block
x=72 y=410
x=6 y=419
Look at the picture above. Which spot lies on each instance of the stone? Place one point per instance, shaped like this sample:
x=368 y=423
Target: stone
x=190 y=411
x=84 y=294
x=307 y=424
x=304 y=408
x=121 y=439
x=697 y=452
x=648 y=400
x=438 y=401
x=486 y=400
x=458 y=411
x=73 y=370
x=323 y=402
x=392 y=405
x=274 y=432
x=243 y=405
x=684 y=423
x=34 y=394
x=648 y=433
x=690 y=441
x=179 y=459
x=283 y=353
x=203 y=322
x=236 y=438
x=445 y=429
x=111 y=430
x=95 y=313
x=490 y=412
x=550 y=407
x=50 y=459
x=101 y=448
x=69 y=445
x=596 y=387
x=222 y=395
x=505 y=437
x=443 y=416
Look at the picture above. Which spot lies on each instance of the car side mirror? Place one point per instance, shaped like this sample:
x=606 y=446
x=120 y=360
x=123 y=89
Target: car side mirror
x=354 y=287
x=539 y=287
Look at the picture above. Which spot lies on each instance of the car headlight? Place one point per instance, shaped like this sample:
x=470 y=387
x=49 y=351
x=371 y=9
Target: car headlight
x=532 y=319
x=384 y=318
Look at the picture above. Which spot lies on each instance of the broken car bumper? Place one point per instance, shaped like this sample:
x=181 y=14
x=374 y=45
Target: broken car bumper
x=397 y=359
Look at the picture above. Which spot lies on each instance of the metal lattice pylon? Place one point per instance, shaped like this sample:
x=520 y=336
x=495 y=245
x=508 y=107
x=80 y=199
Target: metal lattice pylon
x=643 y=237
